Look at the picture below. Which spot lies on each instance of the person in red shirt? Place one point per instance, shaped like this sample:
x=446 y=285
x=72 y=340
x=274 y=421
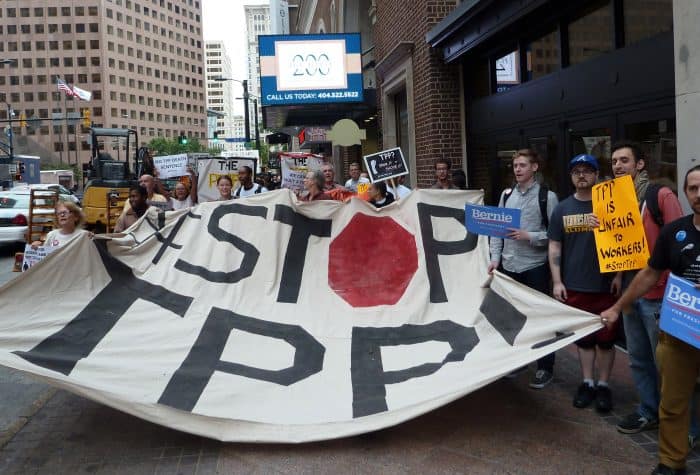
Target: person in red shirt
x=640 y=319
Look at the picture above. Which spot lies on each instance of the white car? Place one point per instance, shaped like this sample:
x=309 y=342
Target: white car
x=14 y=213
x=64 y=193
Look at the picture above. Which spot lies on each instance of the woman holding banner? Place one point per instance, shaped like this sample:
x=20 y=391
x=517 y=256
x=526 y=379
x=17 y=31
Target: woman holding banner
x=224 y=184
x=70 y=222
x=183 y=197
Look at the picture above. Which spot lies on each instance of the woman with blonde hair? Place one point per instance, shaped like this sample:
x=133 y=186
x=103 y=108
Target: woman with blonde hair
x=70 y=221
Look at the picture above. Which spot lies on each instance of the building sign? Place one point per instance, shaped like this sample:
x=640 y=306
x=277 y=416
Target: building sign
x=308 y=69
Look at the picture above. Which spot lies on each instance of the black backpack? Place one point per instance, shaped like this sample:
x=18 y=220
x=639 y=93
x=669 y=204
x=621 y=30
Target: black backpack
x=541 y=199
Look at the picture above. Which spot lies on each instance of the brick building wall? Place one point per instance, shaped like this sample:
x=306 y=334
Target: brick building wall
x=436 y=85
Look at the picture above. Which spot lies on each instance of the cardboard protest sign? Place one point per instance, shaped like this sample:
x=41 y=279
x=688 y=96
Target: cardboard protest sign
x=680 y=311
x=210 y=169
x=385 y=164
x=491 y=220
x=295 y=166
x=254 y=320
x=171 y=166
x=620 y=240
x=33 y=256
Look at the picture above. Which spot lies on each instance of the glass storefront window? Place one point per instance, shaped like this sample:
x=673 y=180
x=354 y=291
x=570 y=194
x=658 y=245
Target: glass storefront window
x=596 y=142
x=657 y=139
x=546 y=148
x=507 y=71
x=504 y=154
x=647 y=18
x=543 y=55
x=591 y=35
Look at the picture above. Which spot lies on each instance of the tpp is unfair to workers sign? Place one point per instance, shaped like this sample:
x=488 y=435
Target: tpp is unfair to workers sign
x=620 y=240
x=253 y=320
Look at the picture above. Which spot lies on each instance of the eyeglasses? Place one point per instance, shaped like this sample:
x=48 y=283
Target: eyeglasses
x=582 y=171
x=63 y=213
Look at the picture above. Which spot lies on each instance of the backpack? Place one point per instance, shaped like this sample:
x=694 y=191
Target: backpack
x=651 y=198
x=541 y=199
x=258 y=190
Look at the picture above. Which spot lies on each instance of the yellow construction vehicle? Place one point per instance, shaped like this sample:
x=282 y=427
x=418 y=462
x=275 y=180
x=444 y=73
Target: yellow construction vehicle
x=109 y=179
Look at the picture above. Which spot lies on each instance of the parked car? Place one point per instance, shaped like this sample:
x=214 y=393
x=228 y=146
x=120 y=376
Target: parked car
x=63 y=193
x=14 y=215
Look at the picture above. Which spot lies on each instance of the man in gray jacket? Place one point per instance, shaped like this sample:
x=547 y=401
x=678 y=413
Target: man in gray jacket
x=523 y=256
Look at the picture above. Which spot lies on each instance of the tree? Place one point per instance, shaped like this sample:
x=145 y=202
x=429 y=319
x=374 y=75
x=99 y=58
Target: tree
x=165 y=146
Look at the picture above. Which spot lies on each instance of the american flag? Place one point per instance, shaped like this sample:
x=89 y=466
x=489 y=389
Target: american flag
x=63 y=86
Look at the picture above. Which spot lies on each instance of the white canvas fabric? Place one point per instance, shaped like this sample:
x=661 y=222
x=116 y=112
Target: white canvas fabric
x=266 y=319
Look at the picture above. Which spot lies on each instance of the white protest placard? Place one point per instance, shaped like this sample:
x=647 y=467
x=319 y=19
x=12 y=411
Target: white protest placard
x=295 y=166
x=32 y=256
x=254 y=320
x=210 y=169
x=170 y=166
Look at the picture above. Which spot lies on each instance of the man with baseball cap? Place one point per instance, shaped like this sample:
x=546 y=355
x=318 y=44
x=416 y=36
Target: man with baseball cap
x=577 y=280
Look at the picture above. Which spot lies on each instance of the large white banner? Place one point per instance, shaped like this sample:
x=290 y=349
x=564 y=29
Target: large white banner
x=269 y=320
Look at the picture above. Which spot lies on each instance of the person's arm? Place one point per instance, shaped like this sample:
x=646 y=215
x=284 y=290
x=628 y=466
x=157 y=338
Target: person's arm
x=640 y=285
x=669 y=205
x=558 y=290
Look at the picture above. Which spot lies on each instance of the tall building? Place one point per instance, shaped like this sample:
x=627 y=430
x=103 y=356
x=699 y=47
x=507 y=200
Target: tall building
x=257 y=23
x=142 y=60
x=219 y=93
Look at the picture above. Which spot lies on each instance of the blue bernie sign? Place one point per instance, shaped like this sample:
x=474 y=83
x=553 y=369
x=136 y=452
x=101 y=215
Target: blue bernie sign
x=491 y=220
x=680 y=311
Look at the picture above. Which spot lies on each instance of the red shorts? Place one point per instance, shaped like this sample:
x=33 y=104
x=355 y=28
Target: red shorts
x=594 y=302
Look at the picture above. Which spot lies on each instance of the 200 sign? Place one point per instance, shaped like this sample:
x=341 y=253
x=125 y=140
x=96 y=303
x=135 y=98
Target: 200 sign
x=311 y=65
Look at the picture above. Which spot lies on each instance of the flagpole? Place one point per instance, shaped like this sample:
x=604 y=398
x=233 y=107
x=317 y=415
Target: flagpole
x=65 y=112
x=58 y=103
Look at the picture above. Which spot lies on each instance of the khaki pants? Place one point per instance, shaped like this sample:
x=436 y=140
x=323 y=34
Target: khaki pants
x=679 y=366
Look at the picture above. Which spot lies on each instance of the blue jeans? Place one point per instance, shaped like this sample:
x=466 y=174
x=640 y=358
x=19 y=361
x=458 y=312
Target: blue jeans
x=642 y=335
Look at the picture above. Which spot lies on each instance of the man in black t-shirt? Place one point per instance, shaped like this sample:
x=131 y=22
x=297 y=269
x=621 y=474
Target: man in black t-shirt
x=677 y=249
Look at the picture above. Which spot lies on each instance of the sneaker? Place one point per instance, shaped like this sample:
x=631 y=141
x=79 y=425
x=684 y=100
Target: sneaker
x=584 y=396
x=541 y=379
x=603 y=399
x=662 y=469
x=633 y=423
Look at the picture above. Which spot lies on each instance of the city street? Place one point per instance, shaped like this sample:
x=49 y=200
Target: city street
x=505 y=427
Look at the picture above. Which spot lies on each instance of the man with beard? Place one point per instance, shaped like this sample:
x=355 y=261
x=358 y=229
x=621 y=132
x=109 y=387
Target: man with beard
x=577 y=281
x=676 y=250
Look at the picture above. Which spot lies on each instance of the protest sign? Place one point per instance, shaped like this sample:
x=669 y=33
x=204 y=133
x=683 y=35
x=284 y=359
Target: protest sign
x=210 y=169
x=32 y=256
x=620 y=240
x=680 y=311
x=491 y=220
x=253 y=320
x=171 y=166
x=385 y=164
x=295 y=166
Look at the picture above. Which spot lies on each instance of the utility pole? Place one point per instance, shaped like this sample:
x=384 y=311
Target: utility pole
x=246 y=110
x=257 y=130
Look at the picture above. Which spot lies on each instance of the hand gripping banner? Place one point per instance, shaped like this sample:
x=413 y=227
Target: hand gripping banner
x=263 y=319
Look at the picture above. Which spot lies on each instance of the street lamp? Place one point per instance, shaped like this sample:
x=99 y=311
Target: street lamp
x=245 y=98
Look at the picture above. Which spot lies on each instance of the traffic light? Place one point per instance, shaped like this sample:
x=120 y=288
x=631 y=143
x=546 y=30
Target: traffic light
x=216 y=136
x=86 y=118
x=182 y=140
x=22 y=168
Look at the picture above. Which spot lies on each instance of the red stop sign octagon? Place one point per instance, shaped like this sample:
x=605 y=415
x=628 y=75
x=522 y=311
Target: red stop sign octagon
x=372 y=261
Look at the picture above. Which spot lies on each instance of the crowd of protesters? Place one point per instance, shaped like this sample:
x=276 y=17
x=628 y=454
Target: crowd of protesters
x=553 y=252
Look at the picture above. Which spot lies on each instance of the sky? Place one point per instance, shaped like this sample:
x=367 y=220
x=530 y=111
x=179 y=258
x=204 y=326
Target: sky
x=225 y=20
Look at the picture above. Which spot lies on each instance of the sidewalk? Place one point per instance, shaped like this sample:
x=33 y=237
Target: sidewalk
x=503 y=428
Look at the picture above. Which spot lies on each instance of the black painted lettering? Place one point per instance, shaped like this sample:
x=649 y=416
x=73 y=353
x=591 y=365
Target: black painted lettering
x=369 y=379
x=250 y=252
x=189 y=381
x=294 y=259
x=433 y=248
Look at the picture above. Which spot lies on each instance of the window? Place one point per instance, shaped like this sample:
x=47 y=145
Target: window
x=82 y=61
x=39 y=29
x=94 y=44
x=591 y=35
x=94 y=28
x=65 y=11
x=28 y=80
x=27 y=62
x=54 y=62
x=38 y=12
x=92 y=11
x=67 y=45
x=53 y=45
x=53 y=27
x=24 y=12
x=543 y=56
x=52 y=11
x=646 y=18
x=79 y=11
x=66 y=28
x=25 y=29
x=80 y=27
x=507 y=71
x=11 y=29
